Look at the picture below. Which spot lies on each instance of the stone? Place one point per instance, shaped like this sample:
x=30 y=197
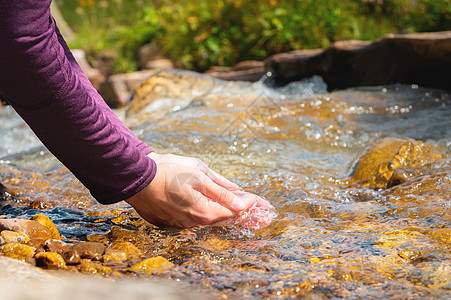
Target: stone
x=49 y=260
x=46 y=222
x=112 y=255
x=56 y=246
x=41 y=204
x=31 y=228
x=94 y=247
x=131 y=251
x=91 y=255
x=18 y=251
x=152 y=265
x=37 y=243
x=87 y=266
x=250 y=70
x=379 y=161
x=71 y=257
x=419 y=58
x=149 y=57
x=117 y=89
x=14 y=237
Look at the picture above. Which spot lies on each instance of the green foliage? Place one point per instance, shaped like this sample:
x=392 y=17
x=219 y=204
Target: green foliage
x=202 y=33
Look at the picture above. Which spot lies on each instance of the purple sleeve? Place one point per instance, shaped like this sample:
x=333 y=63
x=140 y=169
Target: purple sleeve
x=44 y=84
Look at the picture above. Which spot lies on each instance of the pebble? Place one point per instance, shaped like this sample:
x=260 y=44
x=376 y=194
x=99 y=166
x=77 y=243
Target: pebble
x=56 y=246
x=49 y=260
x=87 y=266
x=95 y=247
x=152 y=265
x=131 y=251
x=14 y=237
x=112 y=255
x=31 y=228
x=18 y=251
x=71 y=257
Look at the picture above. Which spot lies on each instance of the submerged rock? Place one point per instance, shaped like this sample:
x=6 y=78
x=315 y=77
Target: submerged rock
x=131 y=251
x=152 y=265
x=380 y=165
x=93 y=247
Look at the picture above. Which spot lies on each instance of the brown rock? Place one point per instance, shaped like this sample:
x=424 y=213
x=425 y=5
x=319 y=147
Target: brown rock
x=112 y=255
x=87 y=266
x=71 y=257
x=91 y=255
x=37 y=243
x=250 y=70
x=89 y=246
x=32 y=229
x=41 y=204
x=49 y=260
x=421 y=58
x=94 y=75
x=56 y=246
x=45 y=221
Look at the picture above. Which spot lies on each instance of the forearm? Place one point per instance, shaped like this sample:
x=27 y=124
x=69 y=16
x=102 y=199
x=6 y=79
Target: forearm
x=42 y=81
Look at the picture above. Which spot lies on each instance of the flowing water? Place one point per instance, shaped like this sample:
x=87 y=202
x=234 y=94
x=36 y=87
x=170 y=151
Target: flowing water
x=360 y=179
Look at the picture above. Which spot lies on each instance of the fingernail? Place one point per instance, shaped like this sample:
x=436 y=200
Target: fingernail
x=238 y=204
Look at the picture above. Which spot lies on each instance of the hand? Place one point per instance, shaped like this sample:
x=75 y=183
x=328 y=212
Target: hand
x=185 y=193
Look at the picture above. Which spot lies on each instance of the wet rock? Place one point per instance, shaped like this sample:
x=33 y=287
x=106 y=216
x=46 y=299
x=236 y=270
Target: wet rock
x=49 y=260
x=56 y=246
x=409 y=254
x=398 y=177
x=14 y=237
x=41 y=204
x=18 y=251
x=38 y=244
x=87 y=266
x=98 y=238
x=46 y=222
x=91 y=255
x=71 y=257
x=93 y=247
x=31 y=228
x=420 y=58
x=152 y=265
x=131 y=251
x=103 y=270
x=112 y=255
x=376 y=167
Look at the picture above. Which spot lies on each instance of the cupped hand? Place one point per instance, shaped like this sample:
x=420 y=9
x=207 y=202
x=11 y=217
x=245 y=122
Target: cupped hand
x=186 y=193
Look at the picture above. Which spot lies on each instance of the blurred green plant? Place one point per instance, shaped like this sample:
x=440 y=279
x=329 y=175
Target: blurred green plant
x=200 y=34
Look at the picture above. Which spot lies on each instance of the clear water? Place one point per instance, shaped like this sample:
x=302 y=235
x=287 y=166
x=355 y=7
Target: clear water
x=295 y=146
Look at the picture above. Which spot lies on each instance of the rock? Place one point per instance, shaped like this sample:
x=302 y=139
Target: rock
x=152 y=265
x=94 y=75
x=91 y=255
x=131 y=251
x=41 y=204
x=38 y=244
x=377 y=165
x=45 y=221
x=89 y=246
x=31 y=228
x=71 y=257
x=103 y=270
x=14 y=237
x=159 y=64
x=398 y=177
x=149 y=58
x=112 y=255
x=18 y=251
x=49 y=260
x=116 y=90
x=250 y=70
x=420 y=58
x=87 y=266
x=56 y=246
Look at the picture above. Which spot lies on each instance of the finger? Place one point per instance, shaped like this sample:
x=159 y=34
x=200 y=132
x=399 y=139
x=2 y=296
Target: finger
x=223 y=196
x=221 y=180
x=260 y=201
x=207 y=211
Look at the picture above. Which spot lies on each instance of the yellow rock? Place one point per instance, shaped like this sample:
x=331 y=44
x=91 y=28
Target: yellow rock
x=18 y=251
x=87 y=266
x=114 y=255
x=14 y=237
x=377 y=164
x=46 y=222
x=152 y=265
x=103 y=270
x=31 y=228
x=50 y=260
x=128 y=248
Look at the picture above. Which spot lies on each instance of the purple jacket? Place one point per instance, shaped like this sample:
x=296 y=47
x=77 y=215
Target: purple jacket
x=40 y=78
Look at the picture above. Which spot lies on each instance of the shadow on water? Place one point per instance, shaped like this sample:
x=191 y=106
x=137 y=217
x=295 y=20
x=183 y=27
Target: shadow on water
x=385 y=234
